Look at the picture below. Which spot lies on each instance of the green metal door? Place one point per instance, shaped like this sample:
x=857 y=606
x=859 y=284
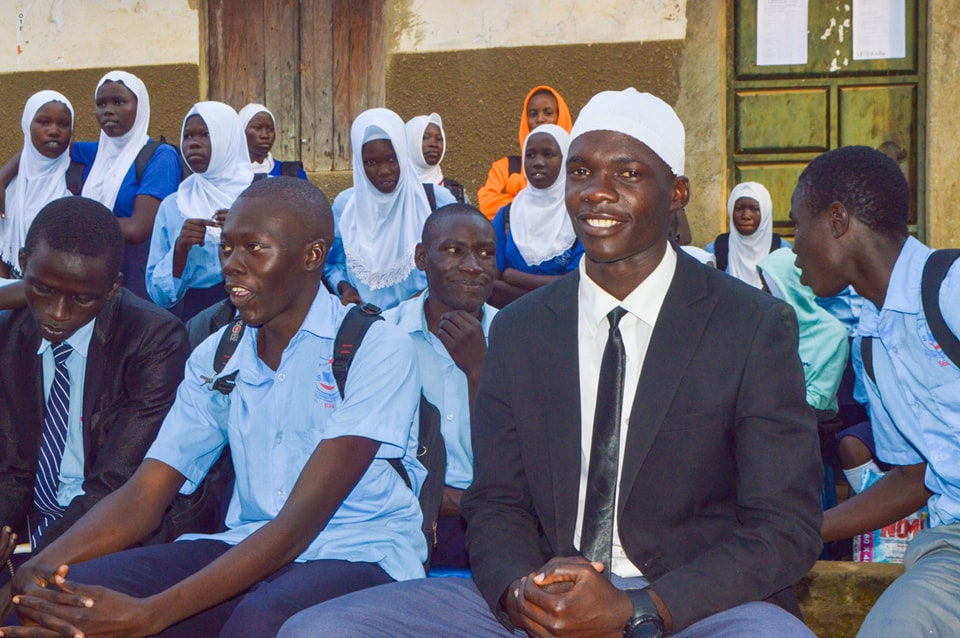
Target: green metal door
x=782 y=116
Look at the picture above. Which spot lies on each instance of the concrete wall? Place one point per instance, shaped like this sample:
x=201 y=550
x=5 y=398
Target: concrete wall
x=67 y=45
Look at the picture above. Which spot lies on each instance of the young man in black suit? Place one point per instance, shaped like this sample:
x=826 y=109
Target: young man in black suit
x=74 y=426
x=644 y=458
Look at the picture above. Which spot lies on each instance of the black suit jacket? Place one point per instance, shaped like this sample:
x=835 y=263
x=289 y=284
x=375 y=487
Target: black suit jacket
x=134 y=364
x=719 y=492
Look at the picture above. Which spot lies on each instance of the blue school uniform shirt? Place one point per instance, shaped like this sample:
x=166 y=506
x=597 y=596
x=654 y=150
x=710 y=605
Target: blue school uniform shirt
x=444 y=385
x=161 y=176
x=203 y=262
x=336 y=269
x=72 y=464
x=274 y=419
x=914 y=405
x=508 y=255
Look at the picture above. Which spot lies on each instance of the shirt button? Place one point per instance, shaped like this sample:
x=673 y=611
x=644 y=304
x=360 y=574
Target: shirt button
x=449 y=417
x=894 y=350
x=281 y=377
x=280 y=493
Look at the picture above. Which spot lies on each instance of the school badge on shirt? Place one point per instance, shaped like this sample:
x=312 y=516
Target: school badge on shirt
x=326 y=388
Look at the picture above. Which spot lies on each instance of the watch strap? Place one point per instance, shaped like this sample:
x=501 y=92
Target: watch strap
x=646 y=621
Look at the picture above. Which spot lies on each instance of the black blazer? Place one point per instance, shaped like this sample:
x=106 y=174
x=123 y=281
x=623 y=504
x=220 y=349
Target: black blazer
x=719 y=492
x=135 y=363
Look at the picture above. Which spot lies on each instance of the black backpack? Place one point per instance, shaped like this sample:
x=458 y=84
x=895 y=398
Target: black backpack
x=74 y=175
x=721 y=249
x=934 y=272
x=431 y=451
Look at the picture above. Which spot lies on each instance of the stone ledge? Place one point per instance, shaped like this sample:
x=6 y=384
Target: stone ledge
x=836 y=595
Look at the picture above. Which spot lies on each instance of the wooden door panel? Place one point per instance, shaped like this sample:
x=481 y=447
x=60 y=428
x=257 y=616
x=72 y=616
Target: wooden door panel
x=778 y=120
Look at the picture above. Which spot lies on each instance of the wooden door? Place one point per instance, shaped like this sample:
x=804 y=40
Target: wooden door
x=316 y=64
x=781 y=117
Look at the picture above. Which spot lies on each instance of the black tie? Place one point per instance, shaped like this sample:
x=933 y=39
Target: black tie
x=596 y=537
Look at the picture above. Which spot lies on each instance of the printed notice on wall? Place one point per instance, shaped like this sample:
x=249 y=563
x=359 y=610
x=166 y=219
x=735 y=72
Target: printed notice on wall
x=879 y=29
x=781 y=32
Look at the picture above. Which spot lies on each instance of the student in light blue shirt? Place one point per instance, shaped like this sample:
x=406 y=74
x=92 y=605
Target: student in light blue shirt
x=378 y=222
x=448 y=325
x=851 y=209
x=317 y=509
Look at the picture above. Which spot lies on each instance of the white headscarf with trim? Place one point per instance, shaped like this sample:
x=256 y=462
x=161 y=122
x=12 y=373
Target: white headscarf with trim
x=415 y=129
x=747 y=251
x=380 y=231
x=539 y=223
x=246 y=114
x=115 y=155
x=228 y=173
x=39 y=180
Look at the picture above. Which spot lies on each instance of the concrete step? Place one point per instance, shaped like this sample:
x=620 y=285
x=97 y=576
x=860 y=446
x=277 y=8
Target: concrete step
x=836 y=595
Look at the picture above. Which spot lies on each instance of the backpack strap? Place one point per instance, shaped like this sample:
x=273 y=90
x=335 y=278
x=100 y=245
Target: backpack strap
x=506 y=219
x=431 y=197
x=721 y=249
x=775 y=241
x=456 y=189
x=290 y=169
x=145 y=155
x=225 y=349
x=514 y=164
x=934 y=272
x=74 y=177
x=349 y=337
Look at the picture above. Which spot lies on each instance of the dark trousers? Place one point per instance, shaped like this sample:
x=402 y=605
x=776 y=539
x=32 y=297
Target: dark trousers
x=257 y=612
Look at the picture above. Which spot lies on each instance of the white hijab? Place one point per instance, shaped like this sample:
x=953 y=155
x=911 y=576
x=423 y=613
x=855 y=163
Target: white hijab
x=415 y=129
x=39 y=180
x=539 y=223
x=381 y=230
x=227 y=175
x=747 y=251
x=115 y=155
x=246 y=114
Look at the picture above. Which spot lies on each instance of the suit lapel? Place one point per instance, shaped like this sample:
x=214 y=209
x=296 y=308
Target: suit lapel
x=682 y=320
x=559 y=362
x=29 y=381
x=94 y=374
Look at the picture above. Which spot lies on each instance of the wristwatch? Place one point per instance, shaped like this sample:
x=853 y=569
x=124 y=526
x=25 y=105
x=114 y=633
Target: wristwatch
x=646 y=621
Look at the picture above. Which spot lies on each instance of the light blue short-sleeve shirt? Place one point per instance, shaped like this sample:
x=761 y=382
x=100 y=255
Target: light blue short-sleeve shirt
x=914 y=405
x=274 y=420
x=444 y=385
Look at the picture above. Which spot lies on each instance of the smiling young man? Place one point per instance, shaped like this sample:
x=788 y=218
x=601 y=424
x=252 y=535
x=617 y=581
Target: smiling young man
x=448 y=324
x=697 y=481
x=851 y=210
x=89 y=373
x=317 y=510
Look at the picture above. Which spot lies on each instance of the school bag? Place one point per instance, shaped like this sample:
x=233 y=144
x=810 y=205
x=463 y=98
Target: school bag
x=74 y=175
x=934 y=272
x=431 y=451
x=721 y=249
x=290 y=168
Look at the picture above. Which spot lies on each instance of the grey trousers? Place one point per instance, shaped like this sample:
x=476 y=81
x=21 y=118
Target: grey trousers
x=453 y=608
x=925 y=601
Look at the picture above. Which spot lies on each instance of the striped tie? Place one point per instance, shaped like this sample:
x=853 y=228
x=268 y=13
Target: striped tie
x=47 y=509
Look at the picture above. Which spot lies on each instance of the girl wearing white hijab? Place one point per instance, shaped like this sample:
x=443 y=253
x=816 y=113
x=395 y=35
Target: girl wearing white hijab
x=47 y=125
x=751 y=236
x=123 y=113
x=378 y=222
x=184 y=264
x=535 y=238
x=259 y=127
x=426 y=143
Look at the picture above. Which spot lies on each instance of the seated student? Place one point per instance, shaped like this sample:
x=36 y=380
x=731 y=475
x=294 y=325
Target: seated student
x=317 y=511
x=691 y=516
x=378 y=222
x=89 y=373
x=536 y=243
x=850 y=209
x=47 y=126
x=751 y=236
x=543 y=105
x=448 y=324
x=259 y=127
x=427 y=144
x=183 y=272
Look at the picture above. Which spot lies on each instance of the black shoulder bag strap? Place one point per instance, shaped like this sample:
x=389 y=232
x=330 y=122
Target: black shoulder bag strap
x=934 y=272
x=145 y=155
x=349 y=337
x=431 y=197
x=721 y=250
x=225 y=349
x=290 y=169
x=506 y=220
